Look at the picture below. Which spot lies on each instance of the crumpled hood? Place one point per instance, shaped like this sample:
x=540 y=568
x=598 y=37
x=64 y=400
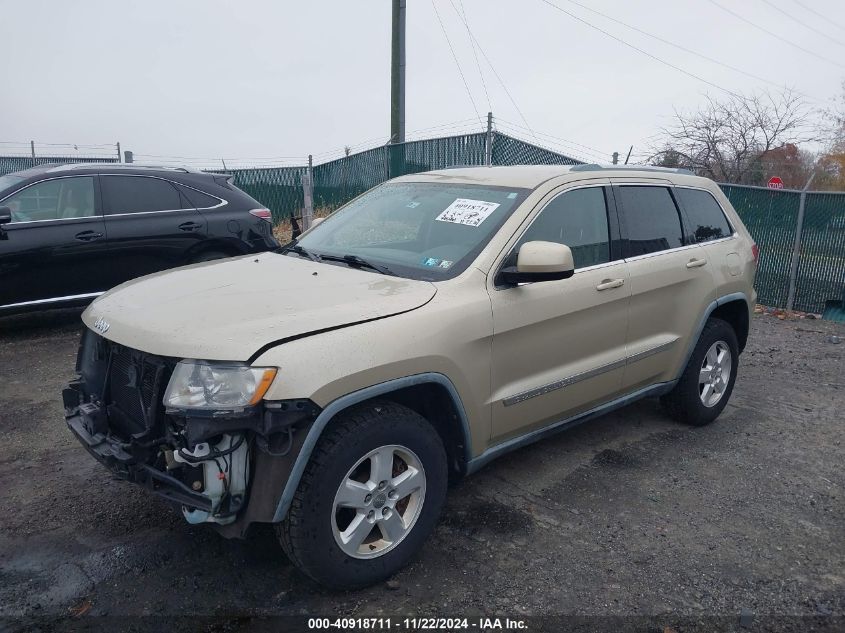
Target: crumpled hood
x=229 y=309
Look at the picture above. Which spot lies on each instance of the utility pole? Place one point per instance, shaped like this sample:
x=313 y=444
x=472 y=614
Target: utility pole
x=308 y=195
x=628 y=157
x=488 y=141
x=397 y=74
x=32 y=147
x=118 y=151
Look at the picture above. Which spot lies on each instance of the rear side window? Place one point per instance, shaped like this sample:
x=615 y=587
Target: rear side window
x=136 y=194
x=578 y=219
x=707 y=220
x=651 y=219
x=197 y=199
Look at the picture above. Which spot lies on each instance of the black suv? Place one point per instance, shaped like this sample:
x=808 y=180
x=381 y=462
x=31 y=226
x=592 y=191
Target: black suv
x=70 y=232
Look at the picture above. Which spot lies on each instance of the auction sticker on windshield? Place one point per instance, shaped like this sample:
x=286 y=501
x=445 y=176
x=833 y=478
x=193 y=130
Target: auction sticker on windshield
x=467 y=212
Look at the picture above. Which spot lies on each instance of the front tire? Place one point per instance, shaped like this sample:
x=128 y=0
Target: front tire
x=369 y=497
x=708 y=379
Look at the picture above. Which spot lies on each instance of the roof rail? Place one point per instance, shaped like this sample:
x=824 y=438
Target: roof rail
x=665 y=170
x=186 y=170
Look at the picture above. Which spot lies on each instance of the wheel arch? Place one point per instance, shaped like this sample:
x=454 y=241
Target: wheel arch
x=424 y=393
x=736 y=313
x=732 y=306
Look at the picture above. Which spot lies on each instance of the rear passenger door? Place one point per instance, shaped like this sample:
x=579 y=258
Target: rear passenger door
x=670 y=280
x=709 y=227
x=150 y=225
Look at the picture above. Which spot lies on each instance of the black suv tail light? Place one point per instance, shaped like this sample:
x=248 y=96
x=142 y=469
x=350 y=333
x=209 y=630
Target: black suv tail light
x=264 y=214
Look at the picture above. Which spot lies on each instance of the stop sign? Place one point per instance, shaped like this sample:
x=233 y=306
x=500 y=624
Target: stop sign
x=775 y=183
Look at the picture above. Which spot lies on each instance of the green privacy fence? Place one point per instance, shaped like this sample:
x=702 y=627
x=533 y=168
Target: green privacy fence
x=338 y=181
x=772 y=216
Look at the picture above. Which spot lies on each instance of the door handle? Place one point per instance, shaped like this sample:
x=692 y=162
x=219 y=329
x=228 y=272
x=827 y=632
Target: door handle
x=189 y=226
x=607 y=284
x=88 y=236
x=696 y=263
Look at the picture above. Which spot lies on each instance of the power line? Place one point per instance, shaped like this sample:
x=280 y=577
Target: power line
x=821 y=15
x=549 y=147
x=474 y=53
x=678 y=46
x=775 y=35
x=804 y=24
x=584 y=148
x=639 y=50
x=455 y=57
x=495 y=74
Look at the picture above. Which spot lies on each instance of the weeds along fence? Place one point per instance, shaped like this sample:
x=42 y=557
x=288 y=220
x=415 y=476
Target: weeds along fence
x=802 y=255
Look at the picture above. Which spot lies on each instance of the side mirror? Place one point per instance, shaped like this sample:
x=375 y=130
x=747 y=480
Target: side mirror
x=540 y=261
x=5 y=217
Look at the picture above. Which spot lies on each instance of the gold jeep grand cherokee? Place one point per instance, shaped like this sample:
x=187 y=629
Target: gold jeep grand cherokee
x=432 y=324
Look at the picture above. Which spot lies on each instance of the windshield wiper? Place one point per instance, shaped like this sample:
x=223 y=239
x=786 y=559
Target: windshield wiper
x=359 y=262
x=293 y=247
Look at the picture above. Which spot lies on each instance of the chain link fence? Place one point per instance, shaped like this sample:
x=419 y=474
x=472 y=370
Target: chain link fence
x=9 y=164
x=772 y=216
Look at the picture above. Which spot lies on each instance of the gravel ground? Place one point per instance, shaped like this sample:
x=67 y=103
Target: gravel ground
x=630 y=515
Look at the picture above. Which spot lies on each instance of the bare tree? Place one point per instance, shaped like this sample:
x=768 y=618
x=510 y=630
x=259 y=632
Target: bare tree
x=726 y=139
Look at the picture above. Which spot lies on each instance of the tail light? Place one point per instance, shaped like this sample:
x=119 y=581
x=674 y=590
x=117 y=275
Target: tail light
x=265 y=214
x=755 y=251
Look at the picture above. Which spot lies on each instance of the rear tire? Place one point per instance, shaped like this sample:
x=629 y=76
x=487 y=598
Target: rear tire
x=708 y=379
x=369 y=497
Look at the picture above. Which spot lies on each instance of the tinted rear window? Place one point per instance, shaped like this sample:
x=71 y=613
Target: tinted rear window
x=136 y=194
x=197 y=199
x=707 y=220
x=651 y=219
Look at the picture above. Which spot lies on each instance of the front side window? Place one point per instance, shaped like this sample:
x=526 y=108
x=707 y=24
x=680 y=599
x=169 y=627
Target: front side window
x=137 y=194
x=56 y=199
x=418 y=230
x=706 y=217
x=651 y=219
x=576 y=218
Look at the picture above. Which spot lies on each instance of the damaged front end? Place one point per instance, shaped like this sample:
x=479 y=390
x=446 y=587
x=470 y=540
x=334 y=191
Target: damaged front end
x=226 y=467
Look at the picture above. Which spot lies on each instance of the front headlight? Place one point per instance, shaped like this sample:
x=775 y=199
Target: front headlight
x=198 y=384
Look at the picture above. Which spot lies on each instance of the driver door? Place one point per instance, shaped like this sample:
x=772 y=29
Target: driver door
x=559 y=346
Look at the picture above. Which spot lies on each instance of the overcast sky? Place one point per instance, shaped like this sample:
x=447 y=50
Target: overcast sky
x=262 y=79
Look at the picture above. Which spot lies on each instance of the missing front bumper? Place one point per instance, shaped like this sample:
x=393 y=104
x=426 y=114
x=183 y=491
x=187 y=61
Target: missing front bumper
x=114 y=456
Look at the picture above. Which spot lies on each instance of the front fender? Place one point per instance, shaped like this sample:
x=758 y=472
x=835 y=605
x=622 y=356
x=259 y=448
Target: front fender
x=343 y=403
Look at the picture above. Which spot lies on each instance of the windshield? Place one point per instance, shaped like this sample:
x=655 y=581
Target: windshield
x=7 y=181
x=429 y=231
